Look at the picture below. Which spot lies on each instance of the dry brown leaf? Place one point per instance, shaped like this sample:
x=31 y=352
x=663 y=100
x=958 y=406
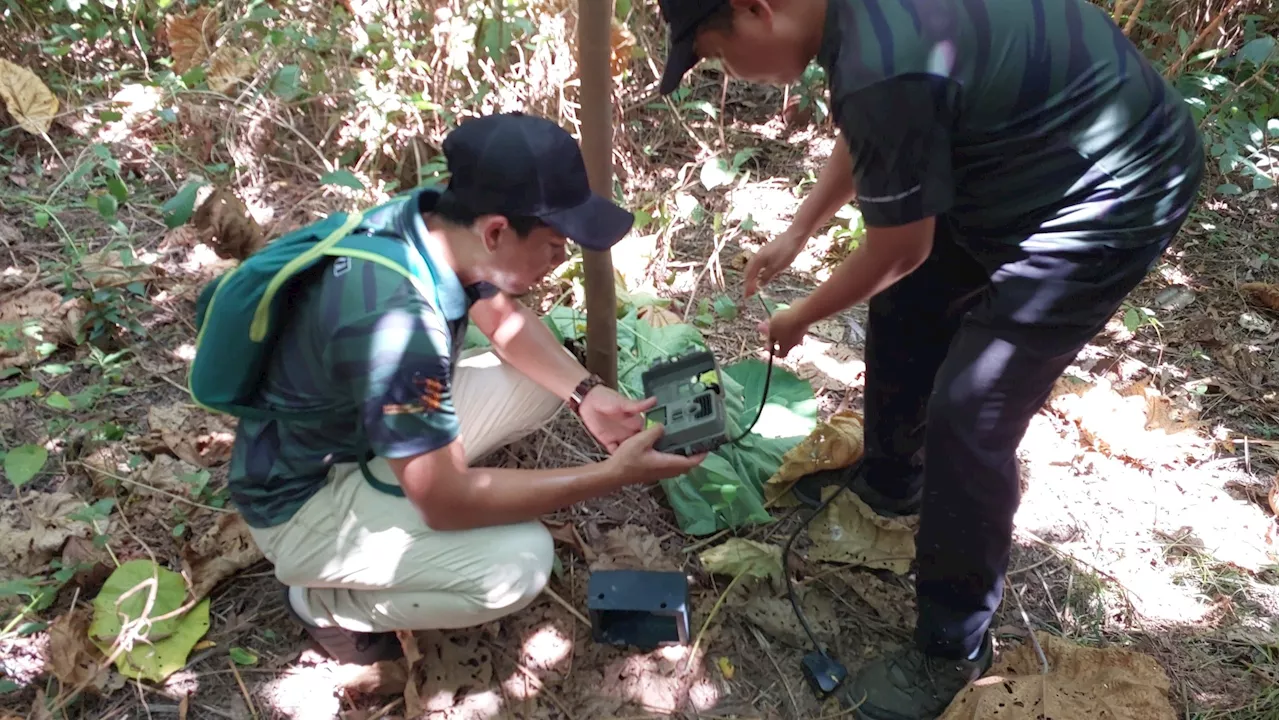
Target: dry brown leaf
x=225 y=225
x=456 y=665
x=632 y=547
x=737 y=556
x=834 y=443
x=849 y=531
x=228 y=65
x=224 y=550
x=191 y=38
x=894 y=604
x=107 y=268
x=42 y=317
x=1082 y=682
x=74 y=660
x=26 y=551
x=657 y=316
x=104 y=464
x=93 y=564
x=1140 y=424
x=776 y=617
x=27 y=98
x=566 y=533
x=622 y=42
x=1263 y=295
x=194 y=435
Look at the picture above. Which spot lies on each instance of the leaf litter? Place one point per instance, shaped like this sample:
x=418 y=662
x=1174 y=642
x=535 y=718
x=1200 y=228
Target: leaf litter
x=195 y=436
x=849 y=531
x=43 y=321
x=835 y=443
x=75 y=660
x=49 y=524
x=1082 y=682
x=224 y=550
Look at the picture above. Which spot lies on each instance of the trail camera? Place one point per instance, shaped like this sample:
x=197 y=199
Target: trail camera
x=690 y=403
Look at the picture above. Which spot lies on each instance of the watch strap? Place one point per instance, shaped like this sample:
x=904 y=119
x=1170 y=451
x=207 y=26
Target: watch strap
x=580 y=392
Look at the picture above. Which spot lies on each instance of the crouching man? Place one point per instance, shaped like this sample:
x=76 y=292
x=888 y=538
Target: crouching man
x=421 y=538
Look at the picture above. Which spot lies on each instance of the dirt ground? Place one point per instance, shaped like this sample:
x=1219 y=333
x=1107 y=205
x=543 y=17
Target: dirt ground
x=1145 y=522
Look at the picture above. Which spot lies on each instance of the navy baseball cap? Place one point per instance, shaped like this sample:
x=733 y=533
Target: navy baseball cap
x=521 y=165
x=683 y=17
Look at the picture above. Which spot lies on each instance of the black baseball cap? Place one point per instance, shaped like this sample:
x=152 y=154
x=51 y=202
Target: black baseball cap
x=521 y=165
x=683 y=17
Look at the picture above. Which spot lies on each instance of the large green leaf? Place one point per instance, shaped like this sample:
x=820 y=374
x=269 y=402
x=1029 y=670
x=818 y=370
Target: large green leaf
x=162 y=648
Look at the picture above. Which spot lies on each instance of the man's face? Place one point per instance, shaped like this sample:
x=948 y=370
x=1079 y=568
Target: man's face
x=758 y=47
x=521 y=263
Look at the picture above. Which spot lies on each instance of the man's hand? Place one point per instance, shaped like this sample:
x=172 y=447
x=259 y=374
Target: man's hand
x=635 y=460
x=784 y=330
x=771 y=260
x=612 y=418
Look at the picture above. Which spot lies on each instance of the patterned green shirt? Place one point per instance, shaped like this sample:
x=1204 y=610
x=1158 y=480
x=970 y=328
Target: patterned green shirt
x=361 y=340
x=1030 y=122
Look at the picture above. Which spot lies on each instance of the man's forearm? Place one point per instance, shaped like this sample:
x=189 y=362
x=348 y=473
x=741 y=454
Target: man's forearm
x=832 y=191
x=524 y=342
x=883 y=259
x=501 y=496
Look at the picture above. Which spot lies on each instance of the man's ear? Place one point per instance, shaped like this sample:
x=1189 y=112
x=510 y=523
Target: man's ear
x=761 y=10
x=490 y=228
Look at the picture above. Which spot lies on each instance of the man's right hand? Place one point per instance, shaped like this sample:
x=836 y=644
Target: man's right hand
x=772 y=259
x=635 y=460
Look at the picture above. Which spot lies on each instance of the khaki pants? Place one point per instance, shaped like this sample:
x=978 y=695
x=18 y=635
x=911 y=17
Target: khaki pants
x=371 y=564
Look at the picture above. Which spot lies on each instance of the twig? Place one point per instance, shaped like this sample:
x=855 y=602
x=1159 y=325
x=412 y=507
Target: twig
x=1031 y=632
x=243 y=690
x=711 y=616
x=387 y=708
x=1133 y=17
x=764 y=645
x=1176 y=67
x=152 y=488
x=565 y=604
x=705 y=541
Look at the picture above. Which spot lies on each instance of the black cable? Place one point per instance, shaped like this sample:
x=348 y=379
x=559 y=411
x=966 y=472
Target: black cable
x=764 y=394
x=786 y=553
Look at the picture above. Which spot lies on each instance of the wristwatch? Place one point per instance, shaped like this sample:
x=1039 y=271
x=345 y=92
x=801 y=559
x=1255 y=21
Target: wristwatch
x=580 y=392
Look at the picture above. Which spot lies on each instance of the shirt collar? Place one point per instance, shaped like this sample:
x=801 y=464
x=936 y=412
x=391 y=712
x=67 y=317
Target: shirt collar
x=455 y=300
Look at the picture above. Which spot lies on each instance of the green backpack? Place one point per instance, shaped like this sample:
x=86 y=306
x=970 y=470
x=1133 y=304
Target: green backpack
x=239 y=314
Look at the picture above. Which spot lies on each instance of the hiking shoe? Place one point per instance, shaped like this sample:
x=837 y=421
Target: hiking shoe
x=349 y=647
x=808 y=490
x=910 y=685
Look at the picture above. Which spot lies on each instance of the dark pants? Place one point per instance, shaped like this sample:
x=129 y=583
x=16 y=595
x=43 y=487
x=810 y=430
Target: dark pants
x=960 y=355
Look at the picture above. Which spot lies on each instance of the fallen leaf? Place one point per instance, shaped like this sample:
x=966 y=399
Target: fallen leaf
x=894 y=604
x=567 y=534
x=1263 y=295
x=225 y=225
x=138 y=589
x=74 y=660
x=27 y=98
x=849 y=531
x=453 y=663
x=777 y=618
x=196 y=436
x=1175 y=297
x=632 y=547
x=658 y=316
x=190 y=38
x=1255 y=323
x=228 y=65
x=104 y=464
x=738 y=556
x=112 y=268
x=27 y=551
x=834 y=443
x=1082 y=682
x=43 y=321
x=224 y=550
x=165 y=477
x=93 y=564
x=1139 y=425
x=726 y=667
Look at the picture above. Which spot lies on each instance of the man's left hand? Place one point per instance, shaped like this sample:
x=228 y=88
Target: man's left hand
x=784 y=330
x=612 y=418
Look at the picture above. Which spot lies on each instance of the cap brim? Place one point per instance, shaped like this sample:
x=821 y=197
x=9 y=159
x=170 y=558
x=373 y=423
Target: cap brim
x=680 y=59
x=596 y=224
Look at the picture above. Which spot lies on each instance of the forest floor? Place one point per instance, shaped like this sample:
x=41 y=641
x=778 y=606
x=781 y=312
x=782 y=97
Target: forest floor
x=1145 y=524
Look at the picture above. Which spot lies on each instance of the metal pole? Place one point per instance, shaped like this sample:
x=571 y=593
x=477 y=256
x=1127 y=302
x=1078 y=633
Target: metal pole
x=596 y=117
